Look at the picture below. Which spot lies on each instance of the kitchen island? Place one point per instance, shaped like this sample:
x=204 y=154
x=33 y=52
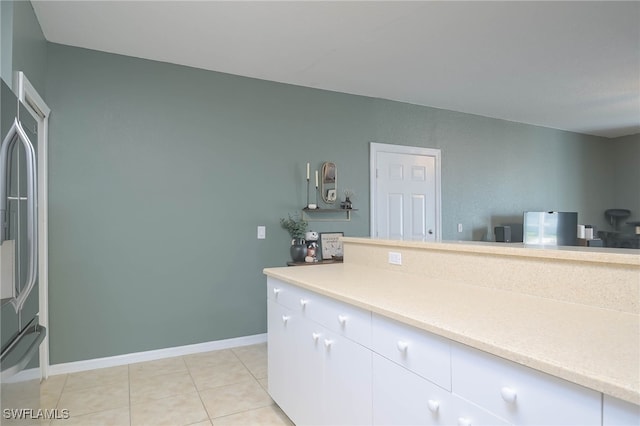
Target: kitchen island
x=569 y=313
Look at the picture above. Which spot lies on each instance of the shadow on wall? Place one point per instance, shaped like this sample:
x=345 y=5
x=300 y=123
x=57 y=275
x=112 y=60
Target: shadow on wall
x=489 y=233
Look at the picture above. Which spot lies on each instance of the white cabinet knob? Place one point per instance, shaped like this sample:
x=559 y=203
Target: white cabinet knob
x=342 y=319
x=328 y=343
x=402 y=346
x=433 y=405
x=509 y=394
x=303 y=302
x=285 y=318
x=316 y=336
x=463 y=421
x=276 y=291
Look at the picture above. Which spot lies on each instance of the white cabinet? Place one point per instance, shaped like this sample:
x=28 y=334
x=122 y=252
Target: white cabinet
x=348 y=321
x=309 y=387
x=283 y=365
x=331 y=363
x=616 y=412
x=347 y=381
x=519 y=394
x=316 y=375
x=401 y=397
x=423 y=353
x=334 y=379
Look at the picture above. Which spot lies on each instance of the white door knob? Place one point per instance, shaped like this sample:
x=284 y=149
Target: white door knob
x=463 y=421
x=316 y=336
x=342 y=319
x=328 y=343
x=303 y=302
x=433 y=405
x=509 y=394
x=276 y=291
x=402 y=346
x=285 y=318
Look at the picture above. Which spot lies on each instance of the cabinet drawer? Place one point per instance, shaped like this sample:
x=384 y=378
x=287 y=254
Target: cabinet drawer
x=346 y=320
x=467 y=414
x=287 y=295
x=520 y=394
x=417 y=350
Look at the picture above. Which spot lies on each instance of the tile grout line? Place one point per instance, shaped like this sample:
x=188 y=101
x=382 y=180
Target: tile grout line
x=257 y=380
x=60 y=394
x=197 y=390
x=129 y=388
x=244 y=359
x=65 y=390
x=211 y=419
x=200 y=396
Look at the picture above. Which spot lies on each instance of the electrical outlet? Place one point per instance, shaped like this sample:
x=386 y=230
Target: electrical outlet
x=262 y=232
x=395 y=258
x=459 y=227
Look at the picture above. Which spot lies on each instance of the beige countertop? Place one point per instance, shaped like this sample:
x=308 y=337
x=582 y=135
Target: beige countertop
x=594 y=347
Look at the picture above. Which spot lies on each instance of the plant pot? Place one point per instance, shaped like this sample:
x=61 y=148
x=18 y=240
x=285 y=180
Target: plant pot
x=298 y=250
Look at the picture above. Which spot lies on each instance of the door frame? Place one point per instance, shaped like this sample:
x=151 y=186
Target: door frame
x=40 y=111
x=375 y=148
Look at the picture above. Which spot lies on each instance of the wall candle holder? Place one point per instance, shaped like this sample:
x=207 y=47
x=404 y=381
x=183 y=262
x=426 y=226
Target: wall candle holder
x=316 y=205
x=310 y=206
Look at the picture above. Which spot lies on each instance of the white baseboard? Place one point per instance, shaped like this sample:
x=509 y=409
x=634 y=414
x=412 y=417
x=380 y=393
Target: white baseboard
x=114 y=361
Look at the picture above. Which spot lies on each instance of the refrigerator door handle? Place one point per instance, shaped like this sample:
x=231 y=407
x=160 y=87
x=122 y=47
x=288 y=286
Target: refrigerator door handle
x=15 y=134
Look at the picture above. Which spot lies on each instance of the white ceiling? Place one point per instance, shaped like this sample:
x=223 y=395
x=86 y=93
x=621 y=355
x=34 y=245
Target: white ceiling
x=566 y=65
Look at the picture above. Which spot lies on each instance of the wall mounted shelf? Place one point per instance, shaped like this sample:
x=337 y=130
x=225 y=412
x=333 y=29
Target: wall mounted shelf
x=310 y=215
x=319 y=262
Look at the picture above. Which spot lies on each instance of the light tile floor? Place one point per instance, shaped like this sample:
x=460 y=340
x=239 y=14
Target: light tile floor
x=225 y=387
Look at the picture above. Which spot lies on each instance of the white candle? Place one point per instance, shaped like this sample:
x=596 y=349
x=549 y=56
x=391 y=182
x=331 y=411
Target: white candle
x=316 y=178
x=307 y=171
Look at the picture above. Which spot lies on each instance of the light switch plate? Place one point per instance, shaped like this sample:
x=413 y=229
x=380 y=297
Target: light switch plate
x=262 y=232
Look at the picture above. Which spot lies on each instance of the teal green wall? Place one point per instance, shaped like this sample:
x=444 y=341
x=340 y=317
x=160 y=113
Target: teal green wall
x=22 y=46
x=493 y=170
x=6 y=41
x=160 y=174
x=29 y=45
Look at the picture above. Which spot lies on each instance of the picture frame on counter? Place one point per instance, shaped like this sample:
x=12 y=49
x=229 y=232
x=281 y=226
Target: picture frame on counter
x=331 y=245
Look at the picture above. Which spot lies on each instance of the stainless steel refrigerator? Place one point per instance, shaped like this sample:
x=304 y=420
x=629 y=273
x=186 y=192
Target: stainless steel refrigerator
x=20 y=331
x=550 y=228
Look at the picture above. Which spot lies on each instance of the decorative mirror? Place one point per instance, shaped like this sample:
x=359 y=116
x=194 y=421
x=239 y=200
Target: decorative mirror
x=329 y=180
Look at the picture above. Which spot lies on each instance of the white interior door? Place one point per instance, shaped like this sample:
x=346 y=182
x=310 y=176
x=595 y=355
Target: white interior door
x=405 y=192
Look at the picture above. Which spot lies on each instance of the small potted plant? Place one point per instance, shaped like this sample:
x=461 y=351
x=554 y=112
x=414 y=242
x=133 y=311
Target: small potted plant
x=348 y=195
x=296 y=226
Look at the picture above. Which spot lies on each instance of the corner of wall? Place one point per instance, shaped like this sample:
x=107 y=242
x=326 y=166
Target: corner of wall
x=6 y=41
